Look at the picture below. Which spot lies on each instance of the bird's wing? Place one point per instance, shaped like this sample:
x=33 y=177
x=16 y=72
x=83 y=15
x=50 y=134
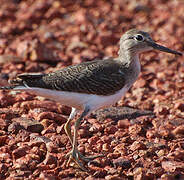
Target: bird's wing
x=103 y=77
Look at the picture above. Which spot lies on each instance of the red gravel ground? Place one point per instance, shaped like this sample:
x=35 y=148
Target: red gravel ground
x=46 y=35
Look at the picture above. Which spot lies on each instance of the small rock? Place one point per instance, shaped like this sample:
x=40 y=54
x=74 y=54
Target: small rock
x=14 y=127
x=179 y=131
x=106 y=147
x=162 y=110
x=76 y=45
x=17 y=153
x=60 y=129
x=67 y=173
x=20 y=175
x=113 y=155
x=9 y=58
x=139 y=173
x=35 y=144
x=177 y=155
x=135 y=129
x=113 y=177
x=60 y=140
x=98 y=172
x=111 y=129
x=3 y=140
x=52 y=147
x=50 y=159
x=108 y=39
x=3 y=168
x=29 y=124
x=20 y=164
x=140 y=83
x=122 y=162
x=93 y=140
x=124 y=123
x=46 y=122
x=37 y=138
x=150 y=134
x=36 y=51
x=179 y=105
x=96 y=127
x=51 y=115
x=3 y=123
x=50 y=129
x=106 y=139
x=172 y=166
x=160 y=153
x=44 y=175
x=83 y=133
x=137 y=146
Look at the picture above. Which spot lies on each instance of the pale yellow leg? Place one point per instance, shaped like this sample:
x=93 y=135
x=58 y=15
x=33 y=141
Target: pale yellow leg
x=74 y=154
x=67 y=126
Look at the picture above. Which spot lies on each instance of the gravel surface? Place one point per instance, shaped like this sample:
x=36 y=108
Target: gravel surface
x=143 y=141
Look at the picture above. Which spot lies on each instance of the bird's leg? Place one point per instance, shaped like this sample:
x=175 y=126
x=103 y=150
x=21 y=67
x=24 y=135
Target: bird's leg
x=74 y=154
x=67 y=126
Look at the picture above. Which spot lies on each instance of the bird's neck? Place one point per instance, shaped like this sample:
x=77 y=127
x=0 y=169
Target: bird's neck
x=130 y=60
x=127 y=57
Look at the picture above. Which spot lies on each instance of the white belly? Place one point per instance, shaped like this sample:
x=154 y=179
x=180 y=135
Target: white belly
x=77 y=100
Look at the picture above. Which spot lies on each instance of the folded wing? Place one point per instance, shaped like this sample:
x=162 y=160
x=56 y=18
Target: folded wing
x=103 y=77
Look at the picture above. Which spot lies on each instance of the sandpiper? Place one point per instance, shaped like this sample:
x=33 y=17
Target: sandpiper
x=91 y=85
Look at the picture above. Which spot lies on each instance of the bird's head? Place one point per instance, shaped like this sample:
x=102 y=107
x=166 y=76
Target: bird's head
x=136 y=41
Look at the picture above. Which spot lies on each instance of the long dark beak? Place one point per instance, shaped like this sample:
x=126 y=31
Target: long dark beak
x=162 y=48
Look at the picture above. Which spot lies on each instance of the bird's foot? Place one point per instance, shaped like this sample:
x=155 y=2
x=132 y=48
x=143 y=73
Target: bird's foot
x=89 y=158
x=76 y=156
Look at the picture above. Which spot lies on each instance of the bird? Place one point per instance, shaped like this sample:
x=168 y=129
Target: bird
x=91 y=85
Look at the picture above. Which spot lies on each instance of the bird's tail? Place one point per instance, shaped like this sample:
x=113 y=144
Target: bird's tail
x=8 y=87
x=22 y=81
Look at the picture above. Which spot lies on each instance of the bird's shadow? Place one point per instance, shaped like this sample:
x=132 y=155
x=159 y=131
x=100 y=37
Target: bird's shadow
x=119 y=113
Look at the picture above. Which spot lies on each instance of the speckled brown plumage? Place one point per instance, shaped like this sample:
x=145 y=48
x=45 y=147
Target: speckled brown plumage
x=100 y=77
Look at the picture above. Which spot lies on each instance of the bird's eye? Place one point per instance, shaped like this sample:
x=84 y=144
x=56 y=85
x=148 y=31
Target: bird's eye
x=139 y=37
